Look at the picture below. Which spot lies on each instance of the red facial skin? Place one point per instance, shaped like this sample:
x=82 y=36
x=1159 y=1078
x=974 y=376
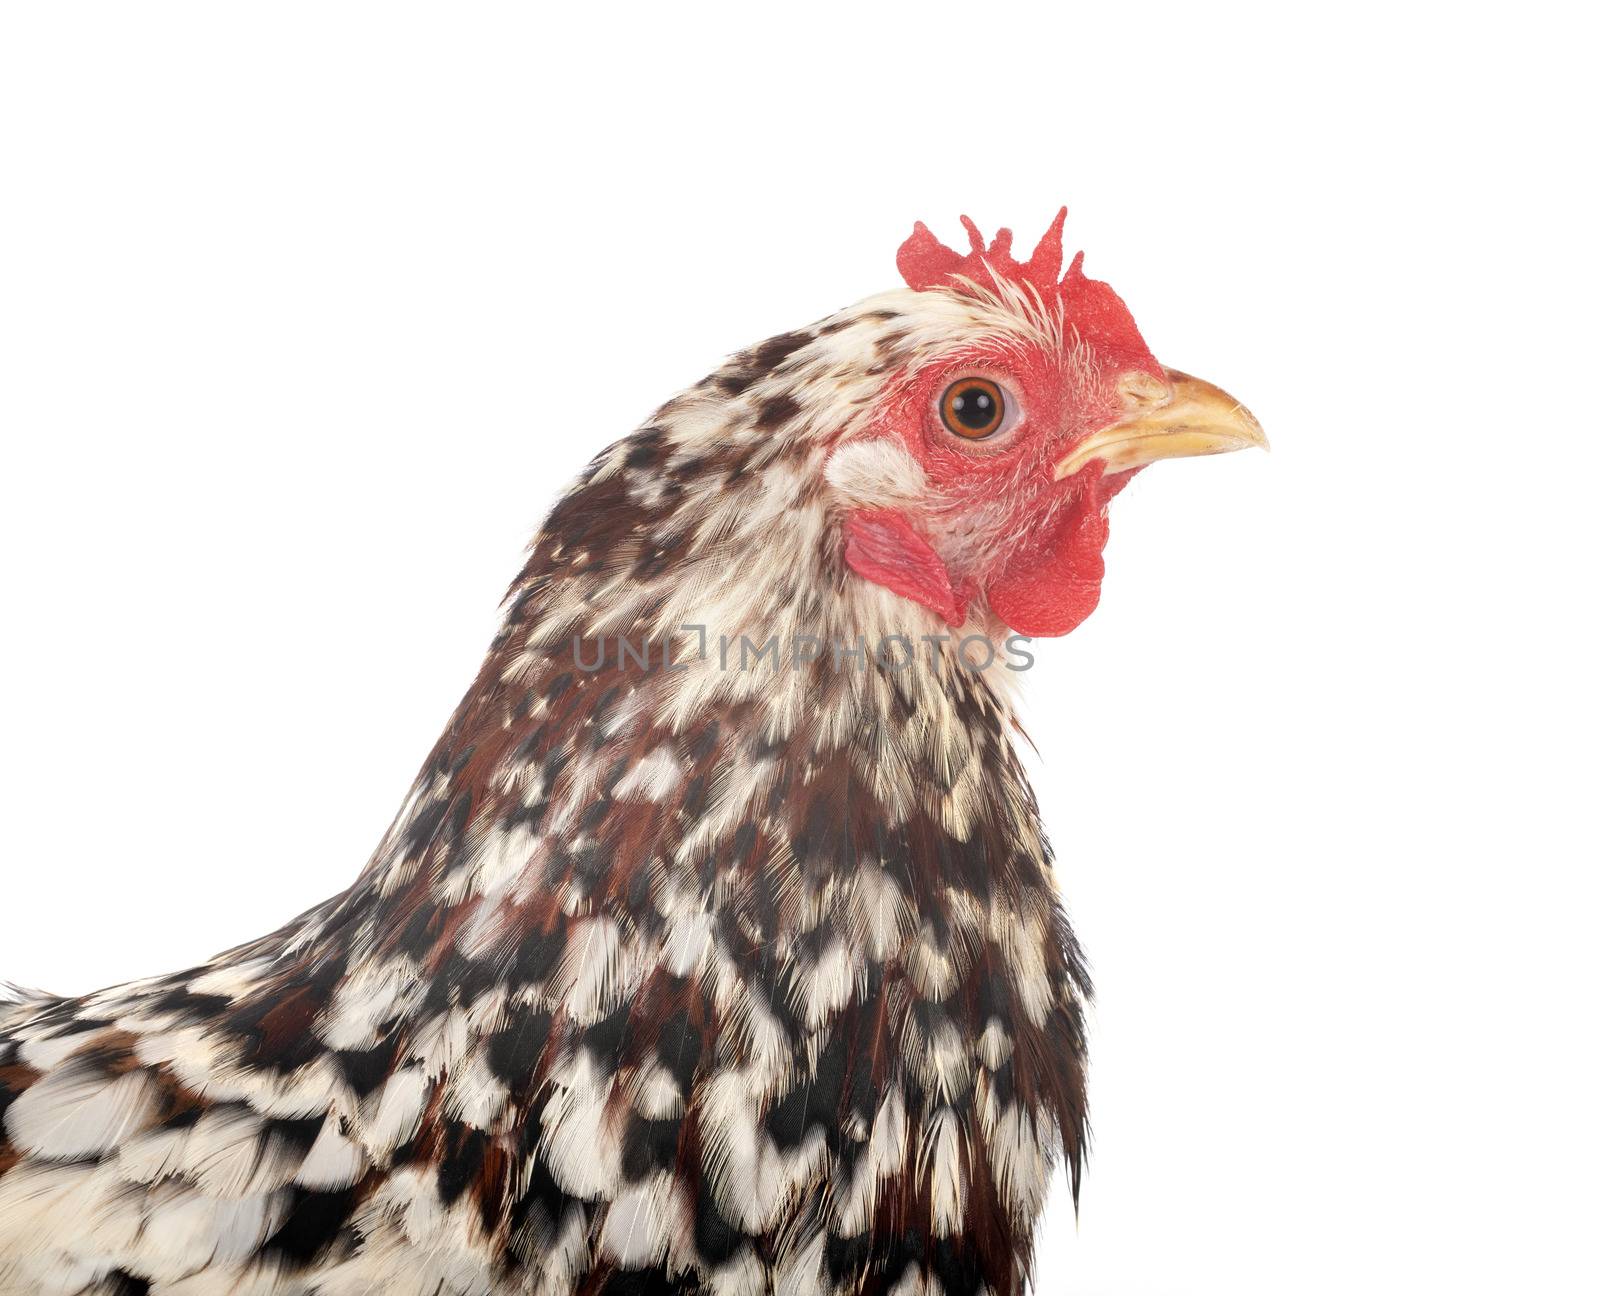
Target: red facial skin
x=997 y=522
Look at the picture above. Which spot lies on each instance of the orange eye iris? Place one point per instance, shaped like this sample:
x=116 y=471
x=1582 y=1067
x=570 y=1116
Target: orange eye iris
x=973 y=408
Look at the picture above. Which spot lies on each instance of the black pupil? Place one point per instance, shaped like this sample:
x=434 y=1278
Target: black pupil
x=973 y=408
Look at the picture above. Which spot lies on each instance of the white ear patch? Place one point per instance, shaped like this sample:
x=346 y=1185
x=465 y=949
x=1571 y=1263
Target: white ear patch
x=879 y=471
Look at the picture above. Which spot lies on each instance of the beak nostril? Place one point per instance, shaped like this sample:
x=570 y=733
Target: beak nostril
x=1142 y=390
x=1190 y=417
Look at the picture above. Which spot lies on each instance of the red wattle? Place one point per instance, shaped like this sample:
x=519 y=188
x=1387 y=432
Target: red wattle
x=882 y=546
x=1051 y=590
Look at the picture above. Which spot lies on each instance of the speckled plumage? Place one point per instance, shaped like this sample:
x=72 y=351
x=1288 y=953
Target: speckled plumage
x=663 y=982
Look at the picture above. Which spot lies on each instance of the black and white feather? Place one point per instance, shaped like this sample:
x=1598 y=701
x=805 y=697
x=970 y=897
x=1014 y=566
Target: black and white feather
x=735 y=982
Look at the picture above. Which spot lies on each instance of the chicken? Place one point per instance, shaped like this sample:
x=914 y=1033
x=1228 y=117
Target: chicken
x=715 y=948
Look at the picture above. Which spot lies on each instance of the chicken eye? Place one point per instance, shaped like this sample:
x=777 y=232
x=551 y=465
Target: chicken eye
x=973 y=408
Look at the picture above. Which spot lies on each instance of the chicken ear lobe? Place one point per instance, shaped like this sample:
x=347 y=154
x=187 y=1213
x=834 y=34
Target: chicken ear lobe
x=884 y=548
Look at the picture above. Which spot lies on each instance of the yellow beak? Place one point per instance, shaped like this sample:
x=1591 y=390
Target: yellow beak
x=1184 y=417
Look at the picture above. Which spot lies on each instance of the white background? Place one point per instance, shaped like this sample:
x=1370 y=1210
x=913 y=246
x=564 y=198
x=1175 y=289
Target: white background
x=307 y=312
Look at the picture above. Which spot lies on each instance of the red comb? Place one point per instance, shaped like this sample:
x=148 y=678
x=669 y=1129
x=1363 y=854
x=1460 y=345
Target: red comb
x=925 y=262
x=1094 y=309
